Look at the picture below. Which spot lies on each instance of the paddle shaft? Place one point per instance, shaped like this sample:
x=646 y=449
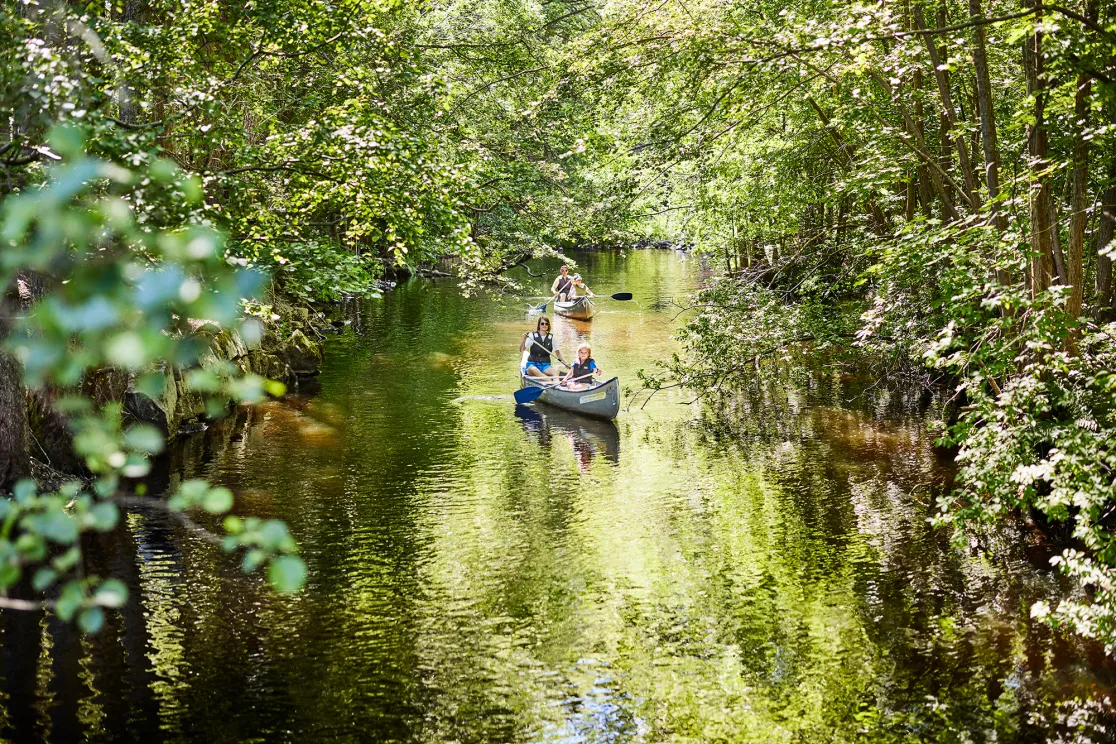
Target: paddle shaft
x=551 y=353
x=622 y=296
x=532 y=392
x=560 y=382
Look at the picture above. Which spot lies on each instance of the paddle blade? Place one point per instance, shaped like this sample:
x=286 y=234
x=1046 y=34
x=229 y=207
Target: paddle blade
x=527 y=394
x=622 y=296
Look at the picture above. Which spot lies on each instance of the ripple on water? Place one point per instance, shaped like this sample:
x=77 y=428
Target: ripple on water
x=758 y=572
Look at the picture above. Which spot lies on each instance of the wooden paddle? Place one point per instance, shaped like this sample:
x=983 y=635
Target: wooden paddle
x=528 y=394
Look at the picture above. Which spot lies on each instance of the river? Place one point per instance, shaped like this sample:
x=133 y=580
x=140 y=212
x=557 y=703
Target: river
x=761 y=571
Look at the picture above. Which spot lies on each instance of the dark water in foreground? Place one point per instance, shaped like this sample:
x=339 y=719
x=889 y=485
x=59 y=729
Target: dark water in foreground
x=762 y=574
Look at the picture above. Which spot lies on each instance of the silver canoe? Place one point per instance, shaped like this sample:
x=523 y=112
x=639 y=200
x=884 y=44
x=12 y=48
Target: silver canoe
x=600 y=401
x=580 y=309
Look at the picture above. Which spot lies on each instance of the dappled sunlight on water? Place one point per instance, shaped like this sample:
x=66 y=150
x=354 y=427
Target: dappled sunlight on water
x=757 y=569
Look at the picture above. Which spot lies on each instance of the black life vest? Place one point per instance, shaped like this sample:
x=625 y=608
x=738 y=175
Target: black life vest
x=583 y=371
x=536 y=354
x=564 y=284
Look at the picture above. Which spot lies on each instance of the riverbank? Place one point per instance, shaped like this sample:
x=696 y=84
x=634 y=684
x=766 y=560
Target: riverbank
x=288 y=348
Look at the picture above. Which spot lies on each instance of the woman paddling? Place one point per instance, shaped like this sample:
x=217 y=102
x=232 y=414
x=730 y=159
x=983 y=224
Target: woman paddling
x=539 y=345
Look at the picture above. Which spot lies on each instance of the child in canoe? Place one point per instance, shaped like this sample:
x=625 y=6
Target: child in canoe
x=581 y=373
x=578 y=283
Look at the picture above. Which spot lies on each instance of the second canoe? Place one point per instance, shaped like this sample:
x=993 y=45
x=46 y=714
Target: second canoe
x=581 y=308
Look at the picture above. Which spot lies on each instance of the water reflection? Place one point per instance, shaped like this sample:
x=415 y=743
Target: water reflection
x=757 y=570
x=588 y=437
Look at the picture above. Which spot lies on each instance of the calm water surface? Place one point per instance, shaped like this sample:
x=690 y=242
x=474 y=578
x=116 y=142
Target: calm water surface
x=762 y=572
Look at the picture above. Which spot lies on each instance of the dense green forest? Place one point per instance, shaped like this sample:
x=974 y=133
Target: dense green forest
x=924 y=191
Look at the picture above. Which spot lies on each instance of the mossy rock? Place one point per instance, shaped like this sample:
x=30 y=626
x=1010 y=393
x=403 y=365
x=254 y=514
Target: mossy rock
x=169 y=410
x=303 y=356
x=266 y=365
x=105 y=385
x=158 y=410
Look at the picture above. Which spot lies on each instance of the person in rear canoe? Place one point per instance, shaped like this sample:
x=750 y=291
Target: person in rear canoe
x=562 y=284
x=539 y=345
x=578 y=284
x=581 y=374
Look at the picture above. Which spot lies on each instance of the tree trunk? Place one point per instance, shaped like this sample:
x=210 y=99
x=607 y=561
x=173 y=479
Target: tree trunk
x=1042 y=268
x=879 y=219
x=949 y=111
x=1079 y=201
x=925 y=193
x=1056 y=244
x=1076 y=258
x=14 y=460
x=1106 y=227
x=987 y=125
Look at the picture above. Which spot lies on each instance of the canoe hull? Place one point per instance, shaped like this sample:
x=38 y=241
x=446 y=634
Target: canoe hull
x=582 y=308
x=600 y=401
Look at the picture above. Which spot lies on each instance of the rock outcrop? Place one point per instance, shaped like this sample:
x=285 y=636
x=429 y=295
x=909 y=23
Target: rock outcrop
x=288 y=351
x=302 y=356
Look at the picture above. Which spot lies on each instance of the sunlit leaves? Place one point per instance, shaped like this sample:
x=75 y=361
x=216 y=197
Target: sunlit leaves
x=126 y=302
x=287 y=574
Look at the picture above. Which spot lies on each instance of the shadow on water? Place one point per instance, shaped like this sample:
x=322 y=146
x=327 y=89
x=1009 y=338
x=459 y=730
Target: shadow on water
x=758 y=569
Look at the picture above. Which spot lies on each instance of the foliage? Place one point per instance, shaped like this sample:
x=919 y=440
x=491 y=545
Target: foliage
x=923 y=189
x=322 y=144
x=386 y=131
x=312 y=271
x=118 y=294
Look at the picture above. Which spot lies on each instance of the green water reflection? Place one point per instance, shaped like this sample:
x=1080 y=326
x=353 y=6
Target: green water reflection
x=762 y=572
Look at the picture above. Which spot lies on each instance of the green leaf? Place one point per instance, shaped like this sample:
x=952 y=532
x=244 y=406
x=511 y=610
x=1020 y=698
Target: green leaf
x=91 y=619
x=69 y=600
x=164 y=170
x=32 y=547
x=190 y=493
x=126 y=350
x=112 y=593
x=67 y=140
x=43 y=578
x=287 y=574
x=253 y=559
x=67 y=560
x=58 y=527
x=24 y=490
x=272 y=534
x=218 y=500
x=146 y=438
x=9 y=574
x=104 y=516
x=151 y=384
